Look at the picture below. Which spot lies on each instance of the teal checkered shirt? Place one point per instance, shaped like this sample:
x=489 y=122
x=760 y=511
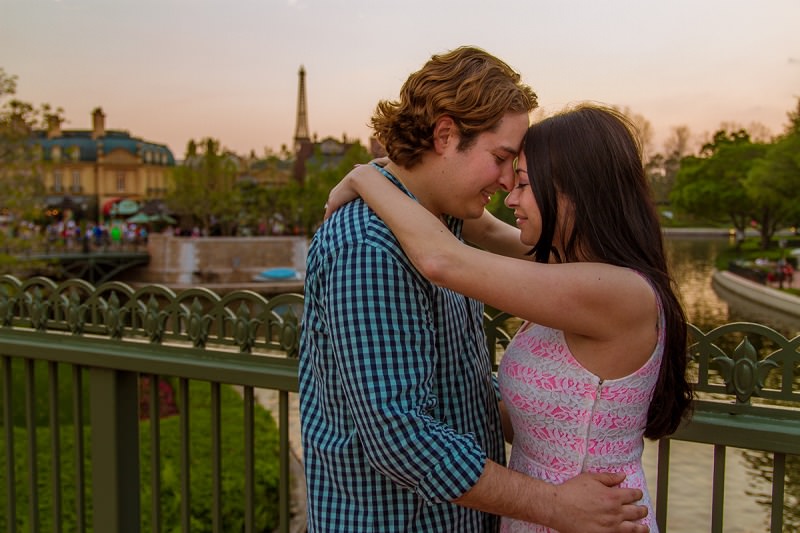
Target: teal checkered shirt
x=398 y=403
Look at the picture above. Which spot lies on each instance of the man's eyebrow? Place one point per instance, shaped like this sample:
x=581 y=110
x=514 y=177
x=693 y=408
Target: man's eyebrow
x=509 y=149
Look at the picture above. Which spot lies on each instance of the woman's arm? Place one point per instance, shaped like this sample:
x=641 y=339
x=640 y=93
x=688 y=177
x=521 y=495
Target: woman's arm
x=591 y=299
x=487 y=232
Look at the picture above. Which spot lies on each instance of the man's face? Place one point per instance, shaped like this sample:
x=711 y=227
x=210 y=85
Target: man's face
x=481 y=170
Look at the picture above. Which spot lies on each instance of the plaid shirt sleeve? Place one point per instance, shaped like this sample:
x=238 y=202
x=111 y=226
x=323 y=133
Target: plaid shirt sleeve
x=385 y=350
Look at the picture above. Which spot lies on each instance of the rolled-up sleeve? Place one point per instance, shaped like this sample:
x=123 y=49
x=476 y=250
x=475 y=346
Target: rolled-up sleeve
x=386 y=355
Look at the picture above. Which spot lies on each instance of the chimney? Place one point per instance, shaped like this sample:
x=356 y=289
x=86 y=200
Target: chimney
x=53 y=126
x=98 y=123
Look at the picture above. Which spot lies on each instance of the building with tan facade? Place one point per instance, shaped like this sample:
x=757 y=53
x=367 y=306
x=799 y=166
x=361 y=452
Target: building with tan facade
x=98 y=173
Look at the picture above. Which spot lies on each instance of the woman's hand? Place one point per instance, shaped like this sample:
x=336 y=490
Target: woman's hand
x=346 y=190
x=342 y=193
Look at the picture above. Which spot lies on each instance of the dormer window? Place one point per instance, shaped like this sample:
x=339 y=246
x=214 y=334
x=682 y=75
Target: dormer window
x=56 y=153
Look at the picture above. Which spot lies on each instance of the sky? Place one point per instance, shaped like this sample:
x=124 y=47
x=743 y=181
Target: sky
x=169 y=71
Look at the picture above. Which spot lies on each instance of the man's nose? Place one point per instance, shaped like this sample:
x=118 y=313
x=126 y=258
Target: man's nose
x=506 y=180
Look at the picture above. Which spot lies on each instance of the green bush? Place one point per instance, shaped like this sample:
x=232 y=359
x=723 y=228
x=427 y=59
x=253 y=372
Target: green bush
x=233 y=473
x=44 y=491
x=41 y=396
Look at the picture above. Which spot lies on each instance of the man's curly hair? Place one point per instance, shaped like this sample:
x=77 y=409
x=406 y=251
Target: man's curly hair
x=469 y=85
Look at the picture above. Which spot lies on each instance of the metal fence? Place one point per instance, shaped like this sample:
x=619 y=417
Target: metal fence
x=101 y=346
x=88 y=373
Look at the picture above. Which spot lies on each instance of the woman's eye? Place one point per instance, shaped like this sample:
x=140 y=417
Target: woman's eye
x=499 y=159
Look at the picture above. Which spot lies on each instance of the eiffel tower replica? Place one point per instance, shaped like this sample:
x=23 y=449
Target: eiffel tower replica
x=303 y=146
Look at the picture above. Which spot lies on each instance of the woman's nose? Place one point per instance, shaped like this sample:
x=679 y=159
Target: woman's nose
x=511 y=198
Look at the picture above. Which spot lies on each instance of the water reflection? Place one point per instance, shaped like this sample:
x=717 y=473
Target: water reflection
x=749 y=473
x=692 y=264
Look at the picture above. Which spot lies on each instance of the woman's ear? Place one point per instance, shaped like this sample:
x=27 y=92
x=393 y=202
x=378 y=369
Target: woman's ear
x=445 y=132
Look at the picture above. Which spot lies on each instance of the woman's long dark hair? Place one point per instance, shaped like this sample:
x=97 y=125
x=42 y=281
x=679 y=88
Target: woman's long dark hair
x=591 y=155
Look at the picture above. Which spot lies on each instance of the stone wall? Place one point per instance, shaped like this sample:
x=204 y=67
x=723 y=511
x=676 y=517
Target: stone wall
x=764 y=303
x=178 y=261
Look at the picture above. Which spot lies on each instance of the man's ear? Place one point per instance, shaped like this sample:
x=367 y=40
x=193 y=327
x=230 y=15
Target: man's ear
x=445 y=132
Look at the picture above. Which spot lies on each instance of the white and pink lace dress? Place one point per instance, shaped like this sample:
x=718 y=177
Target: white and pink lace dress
x=567 y=421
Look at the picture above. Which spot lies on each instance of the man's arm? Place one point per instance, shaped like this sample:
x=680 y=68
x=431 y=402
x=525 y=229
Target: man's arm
x=492 y=234
x=588 y=503
x=386 y=356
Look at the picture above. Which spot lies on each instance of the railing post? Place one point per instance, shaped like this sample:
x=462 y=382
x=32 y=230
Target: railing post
x=115 y=450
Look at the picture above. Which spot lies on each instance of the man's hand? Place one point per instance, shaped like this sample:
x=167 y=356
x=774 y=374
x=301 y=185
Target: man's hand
x=594 y=503
x=588 y=503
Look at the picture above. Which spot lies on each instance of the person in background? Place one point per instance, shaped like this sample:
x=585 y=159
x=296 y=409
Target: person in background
x=399 y=415
x=600 y=360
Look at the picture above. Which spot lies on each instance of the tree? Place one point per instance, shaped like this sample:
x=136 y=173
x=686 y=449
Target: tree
x=794 y=119
x=644 y=130
x=774 y=180
x=304 y=204
x=21 y=167
x=204 y=187
x=711 y=186
x=661 y=169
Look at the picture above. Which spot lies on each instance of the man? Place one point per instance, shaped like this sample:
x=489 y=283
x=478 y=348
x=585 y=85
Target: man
x=399 y=412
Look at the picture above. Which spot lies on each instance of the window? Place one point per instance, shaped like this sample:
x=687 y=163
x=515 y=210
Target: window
x=76 y=181
x=120 y=182
x=58 y=180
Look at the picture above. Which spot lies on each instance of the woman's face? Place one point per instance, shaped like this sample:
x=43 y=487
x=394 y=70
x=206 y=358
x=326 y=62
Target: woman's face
x=526 y=211
x=523 y=202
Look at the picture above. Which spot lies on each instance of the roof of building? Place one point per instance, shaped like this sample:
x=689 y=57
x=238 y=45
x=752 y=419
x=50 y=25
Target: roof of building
x=69 y=140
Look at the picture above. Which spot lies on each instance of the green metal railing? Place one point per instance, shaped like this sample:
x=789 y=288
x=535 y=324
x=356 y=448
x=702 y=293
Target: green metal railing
x=747 y=380
x=102 y=343
x=748 y=385
x=113 y=336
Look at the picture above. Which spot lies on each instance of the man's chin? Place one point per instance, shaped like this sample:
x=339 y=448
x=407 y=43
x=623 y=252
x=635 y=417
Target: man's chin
x=470 y=212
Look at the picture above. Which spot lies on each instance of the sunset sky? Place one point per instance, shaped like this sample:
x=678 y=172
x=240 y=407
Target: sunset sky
x=172 y=70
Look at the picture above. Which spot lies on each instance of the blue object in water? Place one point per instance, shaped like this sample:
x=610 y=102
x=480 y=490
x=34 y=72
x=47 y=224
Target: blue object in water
x=279 y=273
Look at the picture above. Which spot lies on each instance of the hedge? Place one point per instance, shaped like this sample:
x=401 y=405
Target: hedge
x=233 y=473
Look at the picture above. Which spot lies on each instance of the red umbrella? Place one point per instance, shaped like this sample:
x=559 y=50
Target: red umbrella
x=108 y=204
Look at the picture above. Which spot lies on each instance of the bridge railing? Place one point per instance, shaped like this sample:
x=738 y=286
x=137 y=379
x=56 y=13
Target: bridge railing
x=105 y=349
x=747 y=381
x=748 y=387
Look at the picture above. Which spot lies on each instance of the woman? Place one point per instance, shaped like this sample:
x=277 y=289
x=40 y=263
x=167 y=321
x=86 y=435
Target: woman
x=600 y=361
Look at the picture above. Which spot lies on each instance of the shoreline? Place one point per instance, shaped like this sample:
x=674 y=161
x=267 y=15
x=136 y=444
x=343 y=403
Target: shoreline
x=771 y=300
x=697 y=232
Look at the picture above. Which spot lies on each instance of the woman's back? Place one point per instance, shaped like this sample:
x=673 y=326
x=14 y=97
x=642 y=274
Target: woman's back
x=566 y=420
